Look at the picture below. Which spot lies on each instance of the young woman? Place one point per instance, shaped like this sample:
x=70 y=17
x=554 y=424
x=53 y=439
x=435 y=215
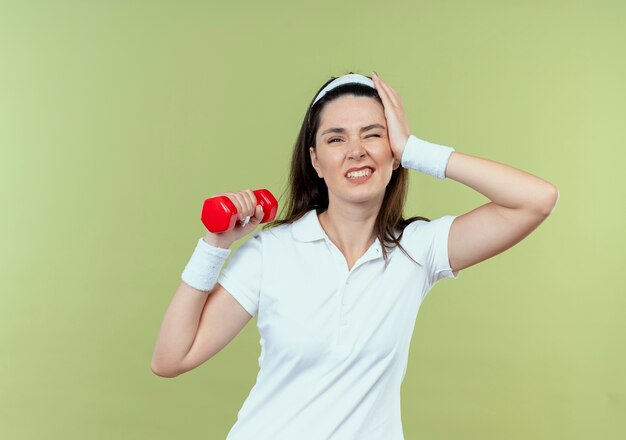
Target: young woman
x=337 y=283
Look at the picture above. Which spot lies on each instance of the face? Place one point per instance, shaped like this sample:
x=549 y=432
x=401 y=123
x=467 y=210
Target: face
x=353 y=146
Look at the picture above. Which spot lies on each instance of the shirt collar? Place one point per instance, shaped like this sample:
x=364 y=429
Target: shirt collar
x=308 y=228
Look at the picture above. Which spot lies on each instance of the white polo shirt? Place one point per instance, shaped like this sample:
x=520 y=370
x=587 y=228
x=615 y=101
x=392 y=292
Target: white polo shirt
x=334 y=343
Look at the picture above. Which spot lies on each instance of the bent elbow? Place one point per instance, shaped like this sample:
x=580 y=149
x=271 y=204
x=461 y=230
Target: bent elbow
x=546 y=202
x=164 y=372
x=552 y=200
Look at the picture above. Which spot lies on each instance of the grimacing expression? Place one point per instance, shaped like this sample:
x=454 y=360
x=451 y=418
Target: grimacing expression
x=353 y=133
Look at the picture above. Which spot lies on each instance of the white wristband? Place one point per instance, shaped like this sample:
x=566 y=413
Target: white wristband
x=204 y=266
x=429 y=158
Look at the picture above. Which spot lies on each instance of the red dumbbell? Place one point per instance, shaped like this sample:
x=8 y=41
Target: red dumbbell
x=219 y=214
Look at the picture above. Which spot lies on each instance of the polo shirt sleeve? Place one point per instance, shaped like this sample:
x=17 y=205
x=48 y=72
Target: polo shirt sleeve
x=429 y=242
x=241 y=276
x=437 y=233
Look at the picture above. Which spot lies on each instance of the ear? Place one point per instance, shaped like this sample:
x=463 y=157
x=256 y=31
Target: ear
x=396 y=164
x=314 y=162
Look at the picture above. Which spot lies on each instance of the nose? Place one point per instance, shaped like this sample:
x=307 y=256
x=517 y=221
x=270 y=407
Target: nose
x=356 y=150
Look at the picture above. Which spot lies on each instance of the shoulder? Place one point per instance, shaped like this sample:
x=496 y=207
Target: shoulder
x=417 y=226
x=279 y=232
x=424 y=233
x=266 y=238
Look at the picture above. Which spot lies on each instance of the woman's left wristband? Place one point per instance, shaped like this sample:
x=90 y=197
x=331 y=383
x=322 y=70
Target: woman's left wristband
x=424 y=156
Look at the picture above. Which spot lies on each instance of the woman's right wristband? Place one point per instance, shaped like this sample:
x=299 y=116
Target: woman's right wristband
x=204 y=266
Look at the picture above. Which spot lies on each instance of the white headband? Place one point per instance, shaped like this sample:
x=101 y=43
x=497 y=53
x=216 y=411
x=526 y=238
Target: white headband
x=345 y=79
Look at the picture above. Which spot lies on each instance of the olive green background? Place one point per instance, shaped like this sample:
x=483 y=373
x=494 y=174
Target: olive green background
x=117 y=120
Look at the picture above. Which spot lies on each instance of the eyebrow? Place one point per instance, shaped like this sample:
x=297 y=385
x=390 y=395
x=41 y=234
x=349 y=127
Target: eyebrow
x=343 y=130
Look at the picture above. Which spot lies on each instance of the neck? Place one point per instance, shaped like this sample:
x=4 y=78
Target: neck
x=351 y=229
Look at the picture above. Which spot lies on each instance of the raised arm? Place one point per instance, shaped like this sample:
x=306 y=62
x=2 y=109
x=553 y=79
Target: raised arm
x=520 y=202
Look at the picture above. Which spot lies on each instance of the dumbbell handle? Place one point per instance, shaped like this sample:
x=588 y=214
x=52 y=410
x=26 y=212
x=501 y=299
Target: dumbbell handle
x=219 y=214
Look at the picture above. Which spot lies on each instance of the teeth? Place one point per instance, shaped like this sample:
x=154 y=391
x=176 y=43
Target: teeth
x=361 y=173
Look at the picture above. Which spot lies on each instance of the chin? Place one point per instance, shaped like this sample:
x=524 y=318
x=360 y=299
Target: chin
x=356 y=196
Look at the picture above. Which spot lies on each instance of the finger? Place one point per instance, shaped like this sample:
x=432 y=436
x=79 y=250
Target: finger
x=381 y=91
x=235 y=199
x=241 y=204
x=254 y=219
x=247 y=203
x=253 y=202
x=392 y=95
x=397 y=95
x=390 y=89
x=250 y=204
x=252 y=198
x=258 y=213
x=384 y=88
x=250 y=214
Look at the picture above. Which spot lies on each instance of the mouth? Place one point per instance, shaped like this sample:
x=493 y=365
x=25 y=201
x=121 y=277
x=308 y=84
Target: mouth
x=360 y=176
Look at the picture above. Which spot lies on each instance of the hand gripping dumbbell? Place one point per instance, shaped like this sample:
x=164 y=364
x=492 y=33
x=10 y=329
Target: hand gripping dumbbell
x=219 y=214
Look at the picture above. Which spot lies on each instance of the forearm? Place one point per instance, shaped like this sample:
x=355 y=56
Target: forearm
x=178 y=329
x=502 y=184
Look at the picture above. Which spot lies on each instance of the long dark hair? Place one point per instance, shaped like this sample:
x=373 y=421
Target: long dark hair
x=306 y=191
